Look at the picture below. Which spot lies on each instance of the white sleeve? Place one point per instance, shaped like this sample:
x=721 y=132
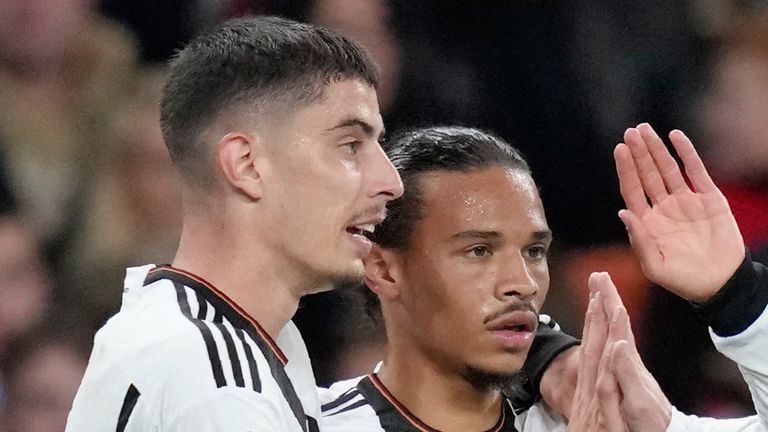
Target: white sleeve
x=738 y=324
x=232 y=409
x=749 y=349
x=690 y=423
x=540 y=417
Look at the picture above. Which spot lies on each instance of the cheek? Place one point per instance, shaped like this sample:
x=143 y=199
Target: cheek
x=542 y=279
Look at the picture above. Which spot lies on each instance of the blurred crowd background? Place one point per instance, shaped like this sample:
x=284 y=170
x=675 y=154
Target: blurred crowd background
x=87 y=188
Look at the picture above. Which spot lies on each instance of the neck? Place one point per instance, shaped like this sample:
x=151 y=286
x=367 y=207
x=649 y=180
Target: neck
x=438 y=396
x=246 y=270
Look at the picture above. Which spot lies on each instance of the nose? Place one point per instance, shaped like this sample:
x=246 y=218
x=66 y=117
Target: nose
x=383 y=177
x=515 y=279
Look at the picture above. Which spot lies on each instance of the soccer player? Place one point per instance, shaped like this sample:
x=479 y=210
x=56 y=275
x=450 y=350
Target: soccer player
x=460 y=269
x=274 y=126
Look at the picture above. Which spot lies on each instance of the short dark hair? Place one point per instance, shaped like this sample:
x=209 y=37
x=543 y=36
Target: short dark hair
x=254 y=61
x=415 y=152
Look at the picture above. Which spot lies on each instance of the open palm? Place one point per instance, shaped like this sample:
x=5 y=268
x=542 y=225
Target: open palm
x=685 y=236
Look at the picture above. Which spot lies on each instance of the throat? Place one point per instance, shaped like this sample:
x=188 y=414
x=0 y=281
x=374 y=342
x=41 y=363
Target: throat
x=442 y=405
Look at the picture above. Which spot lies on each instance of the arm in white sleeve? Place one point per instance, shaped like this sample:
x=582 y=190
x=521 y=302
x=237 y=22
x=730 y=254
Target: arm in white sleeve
x=738 y=320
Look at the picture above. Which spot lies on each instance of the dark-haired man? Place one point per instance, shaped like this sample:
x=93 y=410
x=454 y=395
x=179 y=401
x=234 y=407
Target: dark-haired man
x=274 y=126
x=460 y=271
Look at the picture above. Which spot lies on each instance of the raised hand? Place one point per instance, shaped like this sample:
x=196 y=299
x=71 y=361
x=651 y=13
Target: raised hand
x=686 y=237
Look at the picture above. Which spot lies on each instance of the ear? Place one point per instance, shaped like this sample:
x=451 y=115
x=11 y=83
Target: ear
x=382 y=273
x=239 y=158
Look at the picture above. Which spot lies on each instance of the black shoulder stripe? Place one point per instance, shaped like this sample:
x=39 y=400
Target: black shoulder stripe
x=312 y=425
x=237 y=370
x=281 y=376
x=255 y=380
x=218 y=318
x=210 y=344
x=129 y=403
x=350 y=407
x=202 y=311
x=508 y=417
x=390 y=419
x=342 y=399
x=275 y=363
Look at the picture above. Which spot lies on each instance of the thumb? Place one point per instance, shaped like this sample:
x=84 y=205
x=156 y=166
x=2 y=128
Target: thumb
x=642 y=243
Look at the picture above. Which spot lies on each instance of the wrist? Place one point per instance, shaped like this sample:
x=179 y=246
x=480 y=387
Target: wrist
x=558 y=382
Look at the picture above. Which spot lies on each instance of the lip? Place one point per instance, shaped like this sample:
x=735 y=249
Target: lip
x=375 y=220
x=361 y=242
x=514 y=329
x=367 y=221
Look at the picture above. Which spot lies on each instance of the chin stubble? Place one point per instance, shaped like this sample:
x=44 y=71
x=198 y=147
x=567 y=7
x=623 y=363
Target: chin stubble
x=488 y=380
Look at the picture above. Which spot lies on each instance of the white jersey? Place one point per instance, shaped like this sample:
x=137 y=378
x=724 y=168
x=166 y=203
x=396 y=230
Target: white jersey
x=363 y=404
x=181 y=356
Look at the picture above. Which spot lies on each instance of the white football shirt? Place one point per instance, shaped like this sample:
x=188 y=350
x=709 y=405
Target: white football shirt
x=181 y=356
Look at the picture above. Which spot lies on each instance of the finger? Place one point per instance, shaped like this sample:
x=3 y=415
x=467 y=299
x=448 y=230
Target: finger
x=609 y=295
x=694 y=167
x=592 y=347
x=629 y=182
x=598 y=326
x=629 y=376
x=591 y=304
x=609 y=396
x=587 y=361
x=649 y=174
x=666 y=164
x=643 y=404
x=620 y=328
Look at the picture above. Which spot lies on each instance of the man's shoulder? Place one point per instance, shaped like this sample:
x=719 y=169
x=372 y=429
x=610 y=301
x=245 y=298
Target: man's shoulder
x=339 y=389
x=346 y=408
x=180 y=377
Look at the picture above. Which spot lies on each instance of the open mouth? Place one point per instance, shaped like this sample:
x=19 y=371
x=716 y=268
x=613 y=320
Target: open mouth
x=517 y=328
x=517 y=321
x=365 y=230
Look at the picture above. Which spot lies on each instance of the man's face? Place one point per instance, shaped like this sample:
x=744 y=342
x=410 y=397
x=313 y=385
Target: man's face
x=331 y=180
x=476 y=273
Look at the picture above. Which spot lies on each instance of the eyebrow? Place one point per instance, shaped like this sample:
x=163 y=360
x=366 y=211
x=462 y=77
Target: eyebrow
x=367 y=128
x=477 y=234
x=493 y=235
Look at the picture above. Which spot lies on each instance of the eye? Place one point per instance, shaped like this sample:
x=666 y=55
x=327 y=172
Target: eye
x=351 y=147
x=536 y=252
x=478 y=251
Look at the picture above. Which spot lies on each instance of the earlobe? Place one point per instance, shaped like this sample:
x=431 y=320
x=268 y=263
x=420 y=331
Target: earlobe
x=238 y=158
x=380 y=273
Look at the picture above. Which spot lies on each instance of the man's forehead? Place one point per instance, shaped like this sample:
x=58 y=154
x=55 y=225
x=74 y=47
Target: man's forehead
x=465 y=198
x=476 y=186
x=348 y=103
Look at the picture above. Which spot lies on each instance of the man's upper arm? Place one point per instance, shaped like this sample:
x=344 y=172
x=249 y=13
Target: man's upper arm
x=232 y=409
